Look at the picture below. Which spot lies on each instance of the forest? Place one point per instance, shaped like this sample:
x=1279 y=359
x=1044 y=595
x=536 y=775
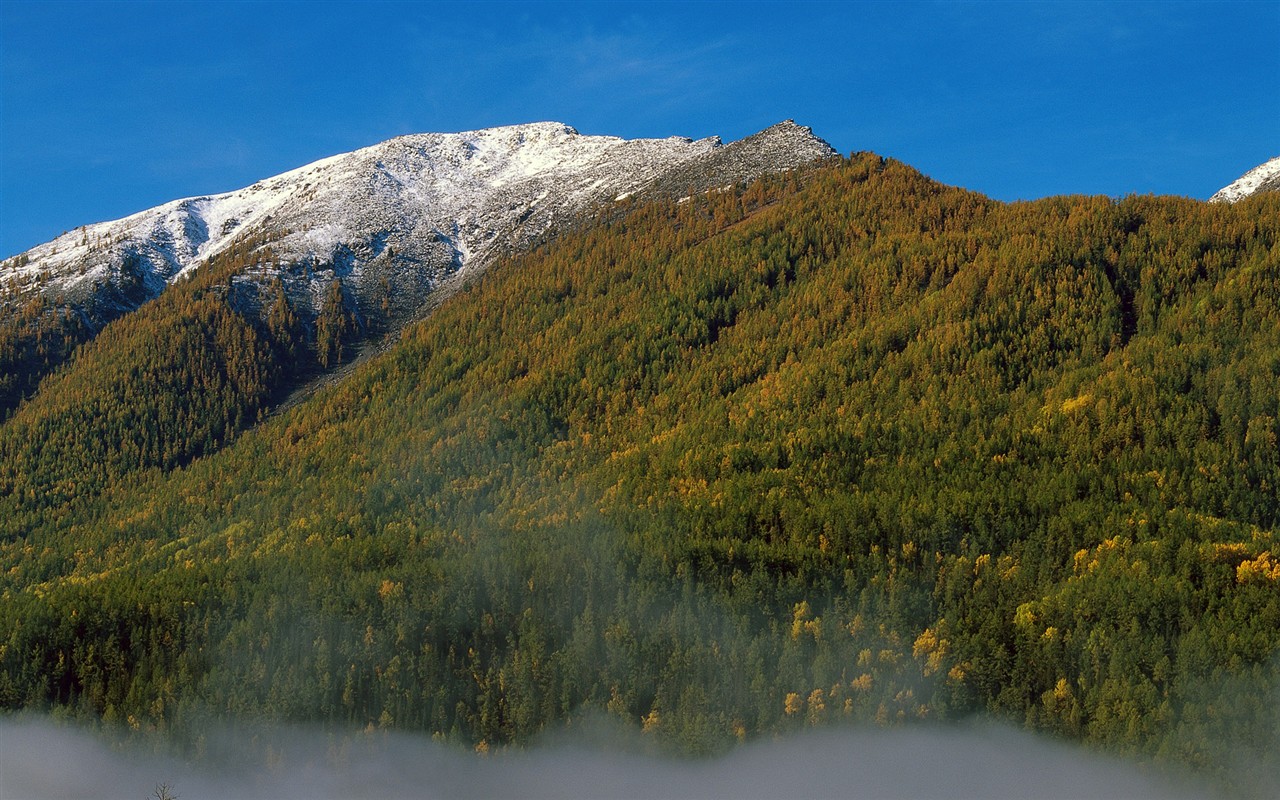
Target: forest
x=841 y=445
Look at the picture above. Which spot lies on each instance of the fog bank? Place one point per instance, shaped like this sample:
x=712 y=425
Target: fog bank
x=42 y=759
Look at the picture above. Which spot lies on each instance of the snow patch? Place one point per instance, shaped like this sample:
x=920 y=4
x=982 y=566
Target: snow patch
x=1264 y=177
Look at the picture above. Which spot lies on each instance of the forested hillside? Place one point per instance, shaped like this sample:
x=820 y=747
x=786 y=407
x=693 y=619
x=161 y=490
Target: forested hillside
x=844 y=444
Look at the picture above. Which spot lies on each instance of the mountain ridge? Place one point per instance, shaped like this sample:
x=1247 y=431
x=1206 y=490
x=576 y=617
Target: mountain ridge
x=442 y=201
x=364 y=239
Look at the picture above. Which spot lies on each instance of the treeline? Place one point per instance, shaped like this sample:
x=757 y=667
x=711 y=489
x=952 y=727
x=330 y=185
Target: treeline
x=173 y=381
x=840 y=445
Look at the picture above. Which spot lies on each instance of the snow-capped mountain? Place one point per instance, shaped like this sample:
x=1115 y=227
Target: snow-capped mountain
x=1262 y=178
x=403 y=214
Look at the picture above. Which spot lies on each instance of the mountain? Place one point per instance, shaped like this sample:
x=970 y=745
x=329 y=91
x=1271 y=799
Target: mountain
x=1262 y=178
x=411 y=210
x=388 y=224
x=840 y=445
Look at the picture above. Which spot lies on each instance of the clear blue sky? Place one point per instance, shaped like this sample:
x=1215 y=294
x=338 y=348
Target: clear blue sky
x=107 y=108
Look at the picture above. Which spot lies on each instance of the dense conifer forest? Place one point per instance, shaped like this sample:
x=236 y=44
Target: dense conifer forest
x=841 y=445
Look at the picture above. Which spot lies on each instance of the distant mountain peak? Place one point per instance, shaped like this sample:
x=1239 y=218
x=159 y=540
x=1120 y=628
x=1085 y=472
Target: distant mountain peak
x=1262 y=178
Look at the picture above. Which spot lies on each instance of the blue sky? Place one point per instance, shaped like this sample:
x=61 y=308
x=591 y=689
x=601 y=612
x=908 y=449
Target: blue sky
x=108 y=108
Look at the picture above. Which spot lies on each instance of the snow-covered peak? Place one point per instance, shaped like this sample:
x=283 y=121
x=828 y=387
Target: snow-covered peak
x=428 y=204
x=1262 y=178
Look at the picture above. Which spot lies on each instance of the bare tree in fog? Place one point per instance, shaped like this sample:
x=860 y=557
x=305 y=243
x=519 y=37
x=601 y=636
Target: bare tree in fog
x=163 y=791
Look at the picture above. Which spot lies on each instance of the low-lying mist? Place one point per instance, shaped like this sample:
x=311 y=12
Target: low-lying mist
x=40 y=758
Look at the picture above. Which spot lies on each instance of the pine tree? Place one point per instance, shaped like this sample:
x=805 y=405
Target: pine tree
x=334 y=324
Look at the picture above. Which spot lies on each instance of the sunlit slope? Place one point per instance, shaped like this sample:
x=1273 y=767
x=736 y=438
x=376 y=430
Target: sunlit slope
x=848 y=445
x=393 y=225
x=170 y=382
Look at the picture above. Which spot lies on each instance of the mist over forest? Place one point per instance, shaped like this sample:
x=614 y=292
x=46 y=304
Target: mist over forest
x=799 y=477
x=595 y=759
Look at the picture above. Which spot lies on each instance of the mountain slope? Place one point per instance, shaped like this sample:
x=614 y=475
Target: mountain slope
x=1262 y=178
x=846 y=446
x=388 y=223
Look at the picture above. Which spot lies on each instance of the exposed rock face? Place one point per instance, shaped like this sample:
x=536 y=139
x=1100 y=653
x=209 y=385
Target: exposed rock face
x=392 y=220
x=1262 y=178
x=781 y=147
